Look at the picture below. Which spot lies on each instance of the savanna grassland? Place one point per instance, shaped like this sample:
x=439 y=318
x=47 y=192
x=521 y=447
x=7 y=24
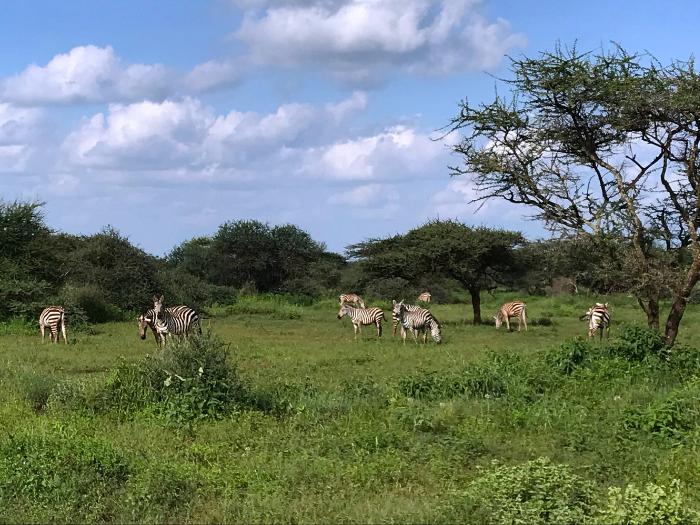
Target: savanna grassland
x=278 y=415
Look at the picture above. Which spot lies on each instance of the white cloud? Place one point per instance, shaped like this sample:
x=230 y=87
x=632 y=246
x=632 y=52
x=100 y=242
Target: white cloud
x=91 y=74
x=358 y=40
x=20 y=129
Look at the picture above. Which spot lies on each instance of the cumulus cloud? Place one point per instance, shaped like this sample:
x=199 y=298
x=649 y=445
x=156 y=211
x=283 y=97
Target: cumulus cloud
x=91 y=74
x=357 y=40
x=20 y=129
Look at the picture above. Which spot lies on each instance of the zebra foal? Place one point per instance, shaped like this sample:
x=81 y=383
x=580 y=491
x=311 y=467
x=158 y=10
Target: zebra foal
x=508 y=310
x=424 y=297
x=53 y=318
x=362 y=316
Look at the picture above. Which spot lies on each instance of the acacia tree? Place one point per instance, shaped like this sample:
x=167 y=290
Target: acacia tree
x=597 y=144
x=477 y=258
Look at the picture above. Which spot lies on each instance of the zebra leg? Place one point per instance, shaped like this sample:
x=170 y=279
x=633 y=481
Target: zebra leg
x=525 y=320
x=508 y=323
x=403 y=334
x=63 y=331
x=379 y=327
x=43 y=335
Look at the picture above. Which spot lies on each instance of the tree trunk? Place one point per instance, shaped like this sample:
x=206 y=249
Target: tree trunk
x=651 y=308
x=681 y=301
x=476 y=304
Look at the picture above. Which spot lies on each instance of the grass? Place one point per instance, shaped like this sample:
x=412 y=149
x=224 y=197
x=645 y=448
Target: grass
x=326 y=429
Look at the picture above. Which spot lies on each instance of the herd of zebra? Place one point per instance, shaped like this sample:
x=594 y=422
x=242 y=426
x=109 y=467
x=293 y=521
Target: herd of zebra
x=416 y=319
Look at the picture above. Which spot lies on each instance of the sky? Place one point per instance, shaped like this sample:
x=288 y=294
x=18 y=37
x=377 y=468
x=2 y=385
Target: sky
x=165 y=119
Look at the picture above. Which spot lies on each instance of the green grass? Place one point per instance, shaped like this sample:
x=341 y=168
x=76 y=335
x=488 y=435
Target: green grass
x=326 y=429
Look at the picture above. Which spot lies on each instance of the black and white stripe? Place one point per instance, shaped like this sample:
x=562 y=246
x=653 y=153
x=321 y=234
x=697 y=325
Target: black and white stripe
x=363 y=316
x=424 y=297
x=351 y=298
x=598 y=317
x=175 y=320
x=395 y=316
x=512 y=309
x=53 y=318
x=418 y=320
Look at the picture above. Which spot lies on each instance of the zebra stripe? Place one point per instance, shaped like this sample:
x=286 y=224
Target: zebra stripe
x=512 y=309
x=53 y=318
x=363 y=316
x=418 y=320
x=598 y=317
x=395 y=316
x=175 y=320
x=351 y=298
x=425 y=297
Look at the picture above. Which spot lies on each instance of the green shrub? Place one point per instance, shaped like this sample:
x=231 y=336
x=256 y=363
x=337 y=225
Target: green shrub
x=569 y=356
x=36 y=388
x=59 y=475
x=648 y=506
x=536 y=492
x=90 y=301
x=636 y=342
x=672 y=417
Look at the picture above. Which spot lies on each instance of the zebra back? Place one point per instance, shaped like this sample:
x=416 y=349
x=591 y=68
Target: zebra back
x=352 y=299
x=598 y=317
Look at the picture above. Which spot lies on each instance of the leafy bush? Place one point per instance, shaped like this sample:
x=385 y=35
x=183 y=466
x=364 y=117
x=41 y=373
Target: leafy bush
x=391 y=287
x=59 y=475
x=649 y=506
x=672 y=417
x=569 y=356
x=89 y=301
x=535 y=492
x=636 y=342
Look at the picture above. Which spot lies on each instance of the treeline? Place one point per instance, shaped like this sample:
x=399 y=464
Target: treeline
x=105 y=277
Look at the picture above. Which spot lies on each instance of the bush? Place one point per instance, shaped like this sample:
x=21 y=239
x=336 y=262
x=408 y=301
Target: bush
x=649 y=506
x=59 y=475
x=569 y=356
x=672 y=417
x=91 y=303
x=36 y=389
x=635 y=343
x=392 y=288
x=535 y=492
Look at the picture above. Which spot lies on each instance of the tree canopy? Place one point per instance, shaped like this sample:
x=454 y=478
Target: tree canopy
x=599 y=144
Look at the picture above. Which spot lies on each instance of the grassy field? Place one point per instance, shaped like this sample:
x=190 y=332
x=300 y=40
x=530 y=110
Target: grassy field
x=320 y=428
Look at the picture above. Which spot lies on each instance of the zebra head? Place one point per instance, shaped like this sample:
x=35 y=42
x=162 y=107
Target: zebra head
x=498 y=319
x=157 y=305
x=398 y=307
x=344 y=310
x=144 y=322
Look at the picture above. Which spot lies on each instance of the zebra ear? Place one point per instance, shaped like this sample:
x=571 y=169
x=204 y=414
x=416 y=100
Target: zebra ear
x=161 y=299
x=393 y=301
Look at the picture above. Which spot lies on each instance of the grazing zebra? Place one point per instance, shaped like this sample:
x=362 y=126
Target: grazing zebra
x=395 y=321
x=53 y=318
x=418 y=320
x=424 y=297
x=598 y=317
x=363 y=316
x=351 y=298
x=508 y=310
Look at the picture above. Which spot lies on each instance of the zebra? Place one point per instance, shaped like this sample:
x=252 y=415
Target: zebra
x=512 y=309
x=418 y=320
x=362 y=316
x=176 y=320
x=395 y=321
x=424 y=297
x=598 y=317
x=53 y=318
x=351 y=298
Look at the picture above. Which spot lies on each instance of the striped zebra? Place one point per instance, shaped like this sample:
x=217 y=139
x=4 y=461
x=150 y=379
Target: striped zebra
x=395 y=321
x=418 y=320
x=508 y=310
x=424 y=297
x=351 y=298
x=53 y=318
x=175 y=320
x=598 y=317
x=362 y=316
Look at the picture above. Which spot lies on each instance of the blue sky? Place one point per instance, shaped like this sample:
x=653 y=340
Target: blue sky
x=166 y=119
